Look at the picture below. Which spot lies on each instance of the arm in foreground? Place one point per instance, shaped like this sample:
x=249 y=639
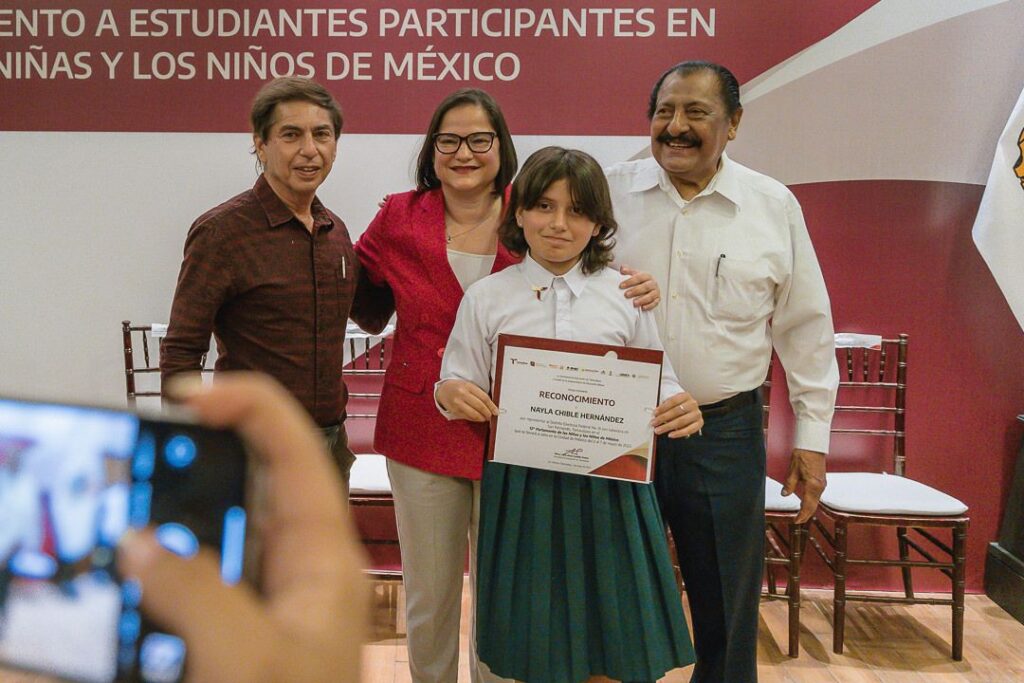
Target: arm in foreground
x=308 y=621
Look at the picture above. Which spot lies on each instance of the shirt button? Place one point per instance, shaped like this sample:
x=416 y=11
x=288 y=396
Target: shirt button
x=675 y=295
x=672 y=337
x=679 y=253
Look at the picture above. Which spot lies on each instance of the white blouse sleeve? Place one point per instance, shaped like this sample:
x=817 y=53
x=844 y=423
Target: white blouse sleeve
x=467 y=355
x=646 y=337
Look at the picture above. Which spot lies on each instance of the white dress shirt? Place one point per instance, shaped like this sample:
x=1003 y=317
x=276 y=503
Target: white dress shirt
x=738 y=275
x=527 y=299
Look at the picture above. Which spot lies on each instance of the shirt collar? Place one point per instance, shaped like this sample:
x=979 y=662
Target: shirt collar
x=724 y=182
x=541 y=279
x=278 y=212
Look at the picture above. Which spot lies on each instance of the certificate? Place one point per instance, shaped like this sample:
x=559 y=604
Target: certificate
x=575 y=407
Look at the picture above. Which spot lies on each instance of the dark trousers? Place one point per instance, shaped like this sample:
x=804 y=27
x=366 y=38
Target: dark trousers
x=711 y=491
x=342 y=456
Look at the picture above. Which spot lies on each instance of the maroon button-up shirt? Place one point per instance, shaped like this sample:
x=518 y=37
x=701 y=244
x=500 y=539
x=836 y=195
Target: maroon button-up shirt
x=275 y=296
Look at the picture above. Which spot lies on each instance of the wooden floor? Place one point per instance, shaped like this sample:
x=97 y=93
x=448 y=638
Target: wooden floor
x=884 y=644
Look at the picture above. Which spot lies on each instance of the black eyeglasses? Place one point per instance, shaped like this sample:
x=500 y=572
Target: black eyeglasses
x=449 y=143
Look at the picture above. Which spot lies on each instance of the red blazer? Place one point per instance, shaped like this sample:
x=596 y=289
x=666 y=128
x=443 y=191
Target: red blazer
x=404 y=249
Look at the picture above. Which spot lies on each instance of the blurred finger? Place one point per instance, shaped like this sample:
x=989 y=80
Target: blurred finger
x=306 y=483
x=312 y=541
x=178 y=593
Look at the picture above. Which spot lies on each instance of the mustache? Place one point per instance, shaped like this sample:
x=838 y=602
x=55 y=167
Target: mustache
x=684 y=138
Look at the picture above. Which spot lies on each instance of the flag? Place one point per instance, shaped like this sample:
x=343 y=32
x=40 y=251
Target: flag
x=999 y=227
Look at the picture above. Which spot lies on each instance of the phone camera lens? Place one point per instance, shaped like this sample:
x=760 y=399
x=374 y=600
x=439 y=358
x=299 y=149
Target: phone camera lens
x=180 y=451
x=178 y=539
x=162 y=658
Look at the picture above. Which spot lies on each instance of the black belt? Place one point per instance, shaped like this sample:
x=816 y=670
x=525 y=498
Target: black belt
x=727 y=405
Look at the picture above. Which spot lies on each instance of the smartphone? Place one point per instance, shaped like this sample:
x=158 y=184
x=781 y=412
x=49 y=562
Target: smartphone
x=73 y=479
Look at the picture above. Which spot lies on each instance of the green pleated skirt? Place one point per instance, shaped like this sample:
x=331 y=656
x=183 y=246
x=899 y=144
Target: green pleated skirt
x=574 y=579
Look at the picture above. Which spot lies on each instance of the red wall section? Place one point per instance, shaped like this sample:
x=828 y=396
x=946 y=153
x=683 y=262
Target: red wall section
x=898 y=257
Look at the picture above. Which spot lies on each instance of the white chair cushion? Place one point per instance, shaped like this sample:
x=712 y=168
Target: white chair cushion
x=774 y=501
x=887 y=494
x=369 y=475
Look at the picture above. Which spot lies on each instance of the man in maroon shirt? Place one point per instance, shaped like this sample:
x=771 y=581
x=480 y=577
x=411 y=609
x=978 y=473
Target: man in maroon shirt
x=271 y=272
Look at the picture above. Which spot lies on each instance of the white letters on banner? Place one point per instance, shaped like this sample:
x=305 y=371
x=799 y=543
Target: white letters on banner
x=155 y=53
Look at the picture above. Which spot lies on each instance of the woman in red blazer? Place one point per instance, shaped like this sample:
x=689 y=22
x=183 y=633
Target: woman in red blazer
x=427 y=246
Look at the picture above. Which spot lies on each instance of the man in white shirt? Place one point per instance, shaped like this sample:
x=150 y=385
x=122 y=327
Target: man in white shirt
x=731 y=252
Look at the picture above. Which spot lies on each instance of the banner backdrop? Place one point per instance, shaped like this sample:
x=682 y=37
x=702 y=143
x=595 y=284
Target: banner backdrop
x=388 y=62
x=121 y=122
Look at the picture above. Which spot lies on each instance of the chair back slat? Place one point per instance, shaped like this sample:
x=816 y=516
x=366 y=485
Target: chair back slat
x=872 y=396
x=883 y=355
x=766 y=400
x=129 y=361
x=137 y=367
x=869 y=432
x=364 y=371
x=901 y=405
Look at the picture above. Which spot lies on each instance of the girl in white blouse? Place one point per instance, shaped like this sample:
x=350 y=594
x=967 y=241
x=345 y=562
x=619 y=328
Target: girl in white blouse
x=574 y=577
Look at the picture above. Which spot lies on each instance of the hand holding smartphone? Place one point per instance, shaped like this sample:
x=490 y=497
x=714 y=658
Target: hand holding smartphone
x=305 y=621
x=73 y=480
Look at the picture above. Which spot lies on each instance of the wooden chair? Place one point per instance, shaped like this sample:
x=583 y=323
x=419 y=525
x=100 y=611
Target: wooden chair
x=373 y=507
x=872 y=406
x=784 y=539
x=141 y=349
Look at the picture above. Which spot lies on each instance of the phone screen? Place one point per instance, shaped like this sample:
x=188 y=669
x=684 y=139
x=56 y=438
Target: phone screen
x=72 y=480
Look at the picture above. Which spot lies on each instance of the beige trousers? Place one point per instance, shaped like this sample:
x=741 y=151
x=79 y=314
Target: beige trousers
x=437 y=515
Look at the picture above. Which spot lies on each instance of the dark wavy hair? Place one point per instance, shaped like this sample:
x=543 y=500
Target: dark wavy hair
x=728 y=85
x=589 y=191
x=290 y=89
x=426 y=179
